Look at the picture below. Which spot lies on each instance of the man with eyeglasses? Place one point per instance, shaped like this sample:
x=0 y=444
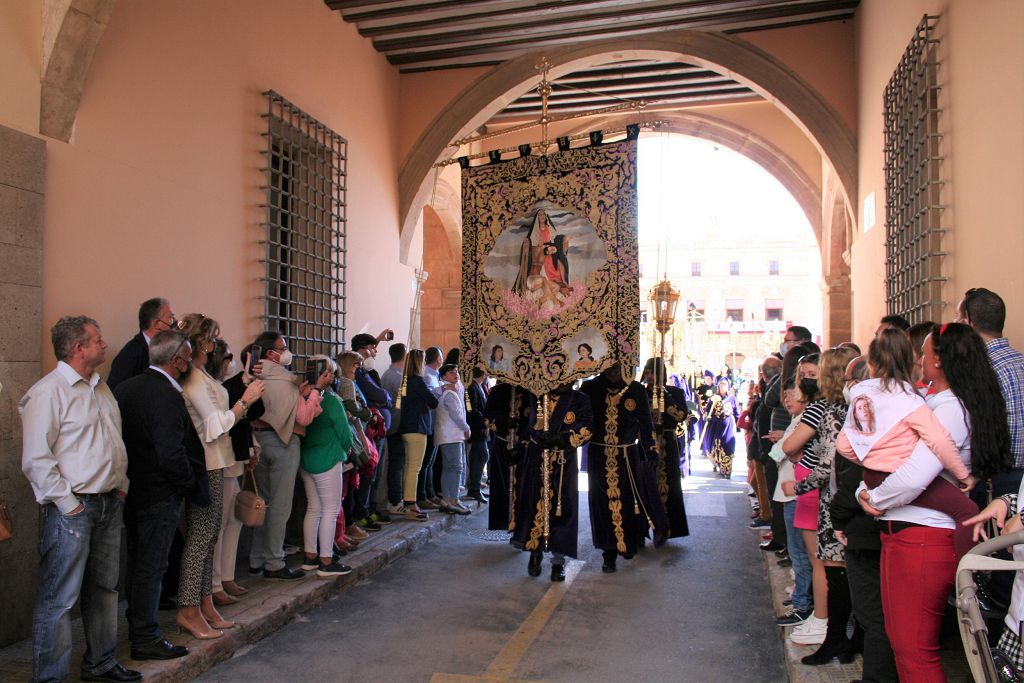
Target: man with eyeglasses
x=155 y=315
x=166 y=463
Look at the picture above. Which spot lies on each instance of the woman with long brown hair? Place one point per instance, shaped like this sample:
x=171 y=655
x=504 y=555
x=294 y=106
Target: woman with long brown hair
x=416 y=403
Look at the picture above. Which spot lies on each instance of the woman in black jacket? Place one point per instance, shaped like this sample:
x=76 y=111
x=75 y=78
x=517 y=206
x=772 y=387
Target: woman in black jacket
x=225 y=589
x=416 y=402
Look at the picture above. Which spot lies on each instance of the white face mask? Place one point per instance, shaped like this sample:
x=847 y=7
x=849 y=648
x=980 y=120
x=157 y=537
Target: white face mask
x=846 y=394
x=783 y=348
x=285 y=358
x=368 y=363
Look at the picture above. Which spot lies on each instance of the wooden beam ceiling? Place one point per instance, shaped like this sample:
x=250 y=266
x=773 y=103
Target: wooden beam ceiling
x=428 y=35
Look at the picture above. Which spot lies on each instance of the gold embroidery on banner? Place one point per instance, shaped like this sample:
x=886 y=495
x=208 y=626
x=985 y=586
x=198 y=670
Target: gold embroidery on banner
x=577 y=439
x=630 y=404
x=570 y=417
x=675 y=413
x=611 y=467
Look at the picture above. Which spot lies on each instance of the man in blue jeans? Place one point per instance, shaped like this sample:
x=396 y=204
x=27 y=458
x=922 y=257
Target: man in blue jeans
x=75 y=460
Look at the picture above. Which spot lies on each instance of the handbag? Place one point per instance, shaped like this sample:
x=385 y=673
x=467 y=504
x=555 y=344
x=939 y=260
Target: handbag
x=6 y=523
x=357 y=454
x=250 y=508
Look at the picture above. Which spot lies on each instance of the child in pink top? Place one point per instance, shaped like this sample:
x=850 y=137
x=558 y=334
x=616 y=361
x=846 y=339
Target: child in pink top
x=888 y=419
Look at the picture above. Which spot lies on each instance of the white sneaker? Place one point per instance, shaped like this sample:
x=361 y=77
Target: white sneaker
x=810 y=632
x=396 y=509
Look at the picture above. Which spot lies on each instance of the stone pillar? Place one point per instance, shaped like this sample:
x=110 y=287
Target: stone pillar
x=441 y=305
x=22 y=174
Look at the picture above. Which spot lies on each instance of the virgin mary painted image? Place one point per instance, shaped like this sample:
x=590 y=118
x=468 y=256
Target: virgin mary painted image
x=542 y=261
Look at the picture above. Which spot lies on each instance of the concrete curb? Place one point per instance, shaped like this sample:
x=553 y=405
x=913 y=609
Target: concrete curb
x=779 y=579
x=270 y=605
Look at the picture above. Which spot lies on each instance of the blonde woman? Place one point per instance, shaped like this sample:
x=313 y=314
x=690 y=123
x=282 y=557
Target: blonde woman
x=416 y=403
x=207 y=403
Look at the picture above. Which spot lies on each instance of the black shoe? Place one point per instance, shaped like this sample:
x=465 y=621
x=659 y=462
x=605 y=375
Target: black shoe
x=771 y=546
x=161 y=649
x=609 y=561
x=795 y=616
x=827 y=651
x=760 y=524
x=787 y=603
x=533 y=566
x=782 y=553
x=558 y=572
x=785 y=562
x=478 y=496
x=284 y=573
x=255 y=570
x=114 y=673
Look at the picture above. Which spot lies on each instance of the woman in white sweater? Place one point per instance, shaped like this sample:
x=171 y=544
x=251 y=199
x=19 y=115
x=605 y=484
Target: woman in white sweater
x=450 y=433
x=207 y=403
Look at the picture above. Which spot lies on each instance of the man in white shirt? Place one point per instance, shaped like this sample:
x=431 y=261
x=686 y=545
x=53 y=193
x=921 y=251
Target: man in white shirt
x=75 y=460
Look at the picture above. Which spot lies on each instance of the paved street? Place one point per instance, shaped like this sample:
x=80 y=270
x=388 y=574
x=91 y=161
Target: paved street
x=462 y=608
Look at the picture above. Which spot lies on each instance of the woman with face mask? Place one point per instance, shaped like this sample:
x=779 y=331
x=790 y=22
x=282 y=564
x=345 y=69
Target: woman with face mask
x=212 y=416
x=236 y=381
x=811 y=446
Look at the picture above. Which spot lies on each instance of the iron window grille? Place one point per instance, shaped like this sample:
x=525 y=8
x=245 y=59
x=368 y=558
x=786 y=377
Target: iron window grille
x=305 y=229
x=734 y=268
x=913 y=182
x=695 y=269
x=773 y=267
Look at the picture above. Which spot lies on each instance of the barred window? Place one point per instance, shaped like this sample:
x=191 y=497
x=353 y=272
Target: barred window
x=773 y=309
x=734 y=267
x=305 y=229
x=695 y=269
x=734 y=310
x=773 y=267
x=913 y=183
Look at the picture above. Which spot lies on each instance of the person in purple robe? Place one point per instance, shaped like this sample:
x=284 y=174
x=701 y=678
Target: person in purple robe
x=719 y=443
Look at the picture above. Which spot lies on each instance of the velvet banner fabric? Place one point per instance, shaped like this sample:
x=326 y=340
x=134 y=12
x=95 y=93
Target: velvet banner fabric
x=550 y=278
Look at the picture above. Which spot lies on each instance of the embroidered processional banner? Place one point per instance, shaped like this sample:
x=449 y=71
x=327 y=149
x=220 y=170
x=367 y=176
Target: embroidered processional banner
x=550 y=290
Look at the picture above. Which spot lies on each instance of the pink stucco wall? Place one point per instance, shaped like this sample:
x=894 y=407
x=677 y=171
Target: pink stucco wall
x=157 y=193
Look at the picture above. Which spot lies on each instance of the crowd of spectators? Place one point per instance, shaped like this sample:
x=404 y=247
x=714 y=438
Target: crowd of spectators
x=163 y=448
x=870 y=469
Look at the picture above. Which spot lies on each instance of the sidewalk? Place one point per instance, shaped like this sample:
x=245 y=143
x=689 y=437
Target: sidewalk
x=953 y=659
x=267 y=607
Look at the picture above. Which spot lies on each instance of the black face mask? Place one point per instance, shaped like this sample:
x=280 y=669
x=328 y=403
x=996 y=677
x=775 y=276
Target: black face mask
x=184 y=375
x=809 y=387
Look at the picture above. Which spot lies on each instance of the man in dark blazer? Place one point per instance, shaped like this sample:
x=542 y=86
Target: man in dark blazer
x=166 y=463
x=479 y=452
x=155 y=315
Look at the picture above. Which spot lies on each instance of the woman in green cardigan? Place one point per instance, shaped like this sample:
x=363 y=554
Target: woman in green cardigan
x=324 y=449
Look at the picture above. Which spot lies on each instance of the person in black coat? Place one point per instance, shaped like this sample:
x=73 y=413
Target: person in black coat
x=155 y=315
x=166 y=463
x=479 y=453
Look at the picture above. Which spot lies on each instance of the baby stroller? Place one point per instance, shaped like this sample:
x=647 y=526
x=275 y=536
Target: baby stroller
x=985 y=667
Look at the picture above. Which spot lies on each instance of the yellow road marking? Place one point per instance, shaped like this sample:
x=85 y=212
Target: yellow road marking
x=510 y=656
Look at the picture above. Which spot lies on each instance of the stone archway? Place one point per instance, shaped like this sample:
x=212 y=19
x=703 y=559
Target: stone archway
x=71 y=31
x=744 y=62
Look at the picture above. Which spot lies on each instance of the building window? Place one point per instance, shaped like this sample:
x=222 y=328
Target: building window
x=695 y=268
x=773 y=267
x=734 y=310
x=305 y=229
x=914 y=178
x=734 y=267
x=773 y=310
x=643 y=317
